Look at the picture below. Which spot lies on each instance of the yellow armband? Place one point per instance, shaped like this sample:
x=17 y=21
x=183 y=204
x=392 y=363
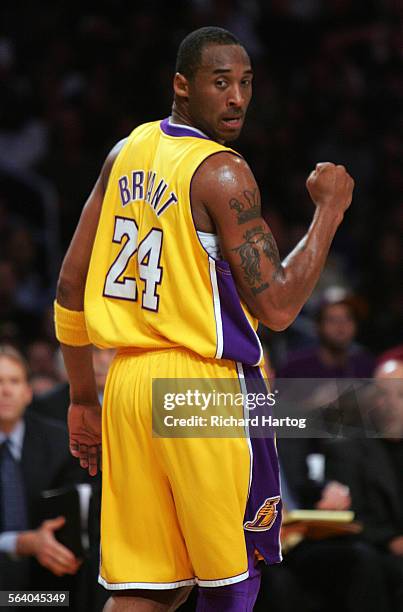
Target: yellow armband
x=70 y=326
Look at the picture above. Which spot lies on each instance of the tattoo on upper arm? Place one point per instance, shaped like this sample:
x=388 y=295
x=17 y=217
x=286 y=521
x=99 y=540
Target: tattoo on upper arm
x=250 y=210
x=250 y=257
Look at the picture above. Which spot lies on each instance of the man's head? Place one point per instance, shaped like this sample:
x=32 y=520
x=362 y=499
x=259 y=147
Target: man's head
x=389 y=379
x=336 y=319
x=41 y=358
x=336 y=326
x=15 y=391
x=213 y=82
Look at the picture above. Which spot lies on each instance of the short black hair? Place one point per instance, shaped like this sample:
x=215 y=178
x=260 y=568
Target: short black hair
x=10 y=352
x=190 y=50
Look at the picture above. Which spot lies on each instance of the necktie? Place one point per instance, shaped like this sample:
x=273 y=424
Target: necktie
x=12 y=492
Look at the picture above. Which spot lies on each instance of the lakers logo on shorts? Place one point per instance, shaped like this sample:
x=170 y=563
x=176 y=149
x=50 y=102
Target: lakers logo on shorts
x=265 y=516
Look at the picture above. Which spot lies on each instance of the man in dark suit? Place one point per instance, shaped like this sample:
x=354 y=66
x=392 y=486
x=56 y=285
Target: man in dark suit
x=335 y=353
x=340 y=572
x=55 y=403
x=373 y=470
x=331 y=573
x=34 y=456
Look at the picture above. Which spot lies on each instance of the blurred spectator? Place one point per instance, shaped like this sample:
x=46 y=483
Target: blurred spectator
x=34 y=457
x=23 y=137
x=42 y=383
x=16 y=326
x=328 y=573
x=373 y=473
x=55 y=403
x=328 y=82
x=102 y=359
x=393 y=354
x=41 y=359
x=31 y=294
x=336 y=355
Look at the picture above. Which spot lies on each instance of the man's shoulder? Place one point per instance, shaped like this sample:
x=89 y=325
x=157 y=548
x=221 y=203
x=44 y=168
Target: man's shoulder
x=217 y=169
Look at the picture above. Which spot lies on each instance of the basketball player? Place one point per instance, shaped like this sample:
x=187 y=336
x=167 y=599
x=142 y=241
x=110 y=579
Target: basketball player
x=173 y=265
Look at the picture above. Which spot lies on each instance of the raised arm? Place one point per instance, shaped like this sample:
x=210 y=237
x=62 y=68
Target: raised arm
x=225 y=189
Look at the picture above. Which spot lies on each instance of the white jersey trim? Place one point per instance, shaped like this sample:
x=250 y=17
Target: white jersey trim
x=187 y=127
x=223 y=581
x=217 y=309
x=156 y=586
x=160 y=586
x=258 y=341
x=210 y=243
x=241 y=378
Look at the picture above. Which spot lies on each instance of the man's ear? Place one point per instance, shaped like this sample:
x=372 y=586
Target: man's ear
x=181 y=85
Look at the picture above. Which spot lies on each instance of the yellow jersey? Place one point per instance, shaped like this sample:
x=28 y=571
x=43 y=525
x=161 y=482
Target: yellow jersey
x=151 y=283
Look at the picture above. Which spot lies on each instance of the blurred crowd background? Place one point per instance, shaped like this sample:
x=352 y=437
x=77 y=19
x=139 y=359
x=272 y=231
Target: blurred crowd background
x=76 y=77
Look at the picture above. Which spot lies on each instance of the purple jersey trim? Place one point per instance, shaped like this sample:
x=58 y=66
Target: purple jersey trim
x=265 y=480
x=171 y=129
x=240 y=342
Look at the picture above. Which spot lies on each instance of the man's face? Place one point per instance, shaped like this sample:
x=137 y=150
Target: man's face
x=15 y=392
x=220 y=91
x=337 y=327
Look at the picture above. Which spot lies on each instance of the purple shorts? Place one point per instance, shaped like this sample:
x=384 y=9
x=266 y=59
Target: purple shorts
x=238 y=597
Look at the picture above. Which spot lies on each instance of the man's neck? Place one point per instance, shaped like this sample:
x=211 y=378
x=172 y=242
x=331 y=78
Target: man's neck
x=180 y=116
x=7 y=427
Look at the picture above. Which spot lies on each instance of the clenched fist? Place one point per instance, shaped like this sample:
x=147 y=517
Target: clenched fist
x=331 y=187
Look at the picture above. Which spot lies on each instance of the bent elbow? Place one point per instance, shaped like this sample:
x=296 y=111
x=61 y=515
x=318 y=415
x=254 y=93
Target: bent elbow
x=279 y=325
x=279 y=320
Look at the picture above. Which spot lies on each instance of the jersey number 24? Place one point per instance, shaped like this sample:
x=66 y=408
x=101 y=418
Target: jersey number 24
x=118 y=284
